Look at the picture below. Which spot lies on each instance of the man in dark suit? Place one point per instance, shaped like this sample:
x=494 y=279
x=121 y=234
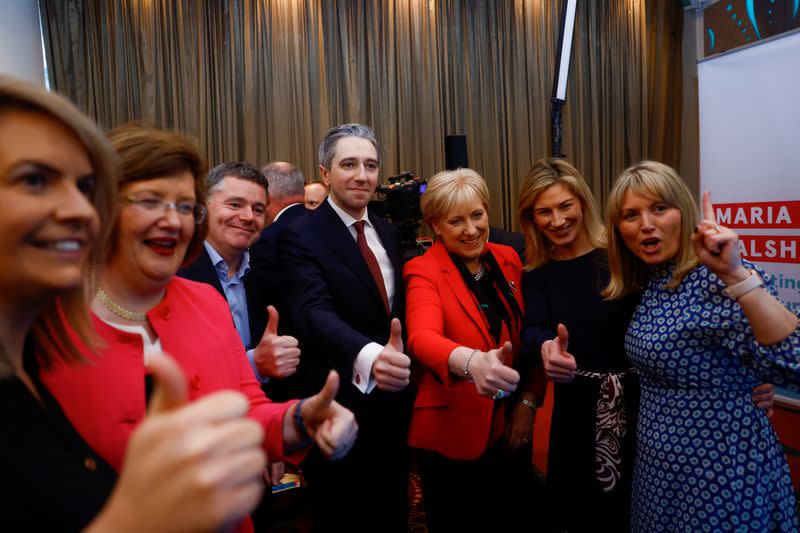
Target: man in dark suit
x=237 y=205
x=286 y=194
x=344 y=295
x=285 y=205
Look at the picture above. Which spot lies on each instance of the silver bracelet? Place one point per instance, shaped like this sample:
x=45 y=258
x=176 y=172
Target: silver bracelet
x=467 y=375
x=531 y=404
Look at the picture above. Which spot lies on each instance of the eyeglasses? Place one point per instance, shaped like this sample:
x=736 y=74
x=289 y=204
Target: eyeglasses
x=157 y=206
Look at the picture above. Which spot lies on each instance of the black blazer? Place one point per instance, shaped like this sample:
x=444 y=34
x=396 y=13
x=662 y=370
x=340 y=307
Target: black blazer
x=203 y=271
x=335 y=309
x=513 y=239
x=265 y=257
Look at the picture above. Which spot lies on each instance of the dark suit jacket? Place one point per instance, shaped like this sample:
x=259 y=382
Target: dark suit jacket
x=265 y=258
x=335 y=309
x=513 y=239
x=203 y=271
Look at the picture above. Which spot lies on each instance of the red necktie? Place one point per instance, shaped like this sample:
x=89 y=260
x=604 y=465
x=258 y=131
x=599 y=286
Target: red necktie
x=372 y=263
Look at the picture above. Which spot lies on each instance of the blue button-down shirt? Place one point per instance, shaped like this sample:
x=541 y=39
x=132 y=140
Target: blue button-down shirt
x=233 y=287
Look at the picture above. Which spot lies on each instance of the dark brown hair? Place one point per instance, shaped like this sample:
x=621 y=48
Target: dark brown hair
x=149 y=153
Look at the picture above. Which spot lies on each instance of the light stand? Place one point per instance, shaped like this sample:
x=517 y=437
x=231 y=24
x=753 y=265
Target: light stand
x=558 y=99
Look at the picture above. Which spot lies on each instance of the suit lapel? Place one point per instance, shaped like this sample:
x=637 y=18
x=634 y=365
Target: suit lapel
x=340 y=241
x=206 y=272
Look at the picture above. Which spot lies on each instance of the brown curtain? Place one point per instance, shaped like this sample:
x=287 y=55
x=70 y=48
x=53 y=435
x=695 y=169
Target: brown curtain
x=264 y=79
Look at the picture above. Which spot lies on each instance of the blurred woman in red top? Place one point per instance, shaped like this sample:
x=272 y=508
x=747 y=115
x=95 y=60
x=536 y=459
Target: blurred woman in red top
x=58 y=177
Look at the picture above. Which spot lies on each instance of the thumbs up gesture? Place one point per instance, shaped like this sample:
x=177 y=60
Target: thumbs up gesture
x=559 y=364
x=205 y=459
x=276 y=356
x=392 y=368
x=332 y=426
x=491 y=375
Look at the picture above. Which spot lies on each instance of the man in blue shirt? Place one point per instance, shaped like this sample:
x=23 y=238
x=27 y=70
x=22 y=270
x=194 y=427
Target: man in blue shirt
x=237 y=198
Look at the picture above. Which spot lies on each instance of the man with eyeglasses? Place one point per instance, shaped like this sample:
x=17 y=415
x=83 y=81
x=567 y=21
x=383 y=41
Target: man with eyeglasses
x=236 y=195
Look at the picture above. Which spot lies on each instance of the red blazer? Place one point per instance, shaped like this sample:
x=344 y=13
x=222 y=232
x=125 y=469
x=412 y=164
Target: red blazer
x=450 y=417
x=105 y=399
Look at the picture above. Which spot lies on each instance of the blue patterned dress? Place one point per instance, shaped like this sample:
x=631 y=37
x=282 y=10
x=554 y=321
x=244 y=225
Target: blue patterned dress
x=708 y=459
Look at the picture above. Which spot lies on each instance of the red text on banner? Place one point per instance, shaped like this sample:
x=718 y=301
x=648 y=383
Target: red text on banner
x=770 y=249
x=767 y=215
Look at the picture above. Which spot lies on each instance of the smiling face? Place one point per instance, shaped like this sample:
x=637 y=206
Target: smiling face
x=236 y=216
x=48 y=221
x=353 y=175
x=650 y=228
x=151 y=244
x=558 y=215
x=464 y=231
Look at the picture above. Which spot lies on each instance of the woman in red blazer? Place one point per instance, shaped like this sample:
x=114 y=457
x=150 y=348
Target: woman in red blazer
x=58 y=175
x=142 y=308
x=473 y=416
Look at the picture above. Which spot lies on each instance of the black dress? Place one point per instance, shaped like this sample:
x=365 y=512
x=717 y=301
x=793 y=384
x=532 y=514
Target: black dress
x=568 y=292
x=50 y=480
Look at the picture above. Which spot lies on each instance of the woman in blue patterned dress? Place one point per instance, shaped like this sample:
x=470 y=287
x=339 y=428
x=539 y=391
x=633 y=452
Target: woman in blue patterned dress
x=707 y=330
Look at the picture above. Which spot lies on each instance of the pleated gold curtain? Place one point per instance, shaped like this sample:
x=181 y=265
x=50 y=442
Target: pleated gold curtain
x=265 y=79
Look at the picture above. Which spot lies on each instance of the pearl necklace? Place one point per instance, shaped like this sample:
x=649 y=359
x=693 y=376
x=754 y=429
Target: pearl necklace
x=117 y=309
x=479 y=274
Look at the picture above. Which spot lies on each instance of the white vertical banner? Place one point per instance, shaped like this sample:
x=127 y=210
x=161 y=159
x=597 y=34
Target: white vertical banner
x=749 y=101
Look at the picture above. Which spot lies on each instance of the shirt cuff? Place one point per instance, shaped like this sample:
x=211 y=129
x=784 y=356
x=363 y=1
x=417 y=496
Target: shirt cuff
x=362 y=367
x=258 y=376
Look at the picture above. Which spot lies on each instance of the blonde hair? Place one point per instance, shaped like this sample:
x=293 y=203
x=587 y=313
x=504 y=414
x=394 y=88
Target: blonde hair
x=451 y=189
x=545 y=173
x=148 y=153
x=659 y=181
x=70 y=309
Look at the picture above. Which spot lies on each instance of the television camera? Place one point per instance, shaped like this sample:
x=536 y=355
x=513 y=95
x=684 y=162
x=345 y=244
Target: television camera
x=398 y=202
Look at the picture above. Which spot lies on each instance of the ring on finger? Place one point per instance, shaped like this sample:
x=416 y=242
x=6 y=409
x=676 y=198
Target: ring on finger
x=718 y=228
x=499 y=395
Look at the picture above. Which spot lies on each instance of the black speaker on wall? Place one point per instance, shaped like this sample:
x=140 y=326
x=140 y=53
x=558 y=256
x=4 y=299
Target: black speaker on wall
x=455 y=152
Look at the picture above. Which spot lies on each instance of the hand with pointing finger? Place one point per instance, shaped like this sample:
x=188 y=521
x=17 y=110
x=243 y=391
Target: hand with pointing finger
x=276 y=356
x=717 y=247
x=332 y=426
x=493 y=378
x=559 y=364
x=392 y=368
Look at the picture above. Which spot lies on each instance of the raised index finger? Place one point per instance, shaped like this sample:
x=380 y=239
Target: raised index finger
x=708 y=208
